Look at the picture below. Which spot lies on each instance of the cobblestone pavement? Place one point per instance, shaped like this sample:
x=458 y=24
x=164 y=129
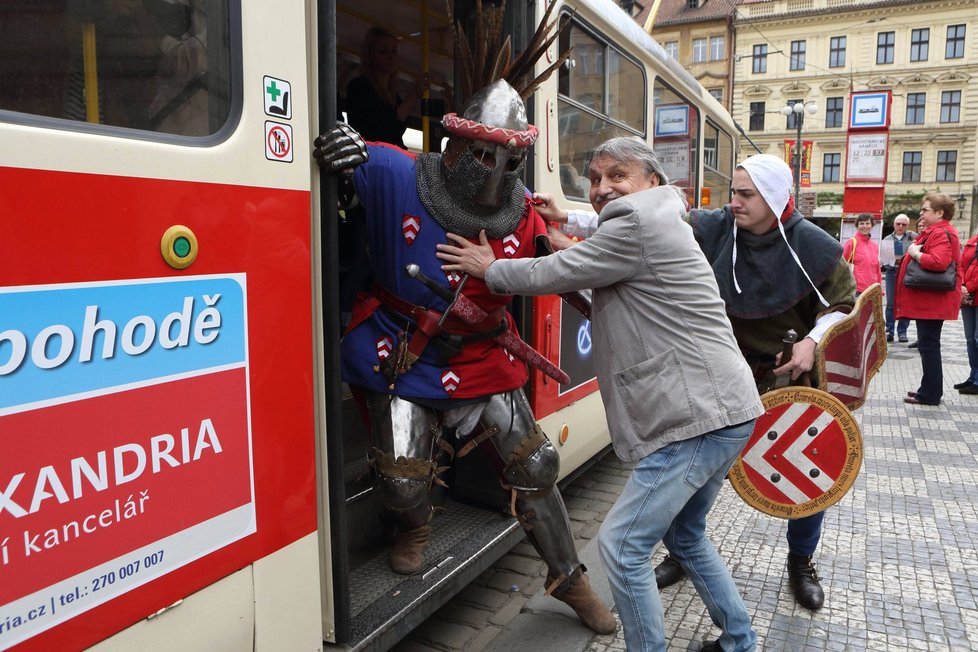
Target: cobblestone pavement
x=897 y=557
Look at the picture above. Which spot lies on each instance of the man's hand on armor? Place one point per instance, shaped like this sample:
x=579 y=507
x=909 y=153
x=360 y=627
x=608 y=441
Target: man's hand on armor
x=340 y=149
x=802 y=359
x=546 y=205
x=467 y=257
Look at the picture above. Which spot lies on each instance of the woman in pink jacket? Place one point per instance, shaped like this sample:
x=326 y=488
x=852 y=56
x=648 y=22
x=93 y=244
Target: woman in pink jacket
x=863 y=254
x=969 y=313
x=936 y=247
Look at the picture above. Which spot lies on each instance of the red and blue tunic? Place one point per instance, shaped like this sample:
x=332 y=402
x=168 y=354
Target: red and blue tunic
x=400 y=231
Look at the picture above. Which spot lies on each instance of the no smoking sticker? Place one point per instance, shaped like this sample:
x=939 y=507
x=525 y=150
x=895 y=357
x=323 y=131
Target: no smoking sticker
x=278 y=142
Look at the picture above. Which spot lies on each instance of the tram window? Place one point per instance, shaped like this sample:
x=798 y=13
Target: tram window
x=717 y=166
x=602 y=79
x=676 y=136
x=602 y=95
x=155 y=65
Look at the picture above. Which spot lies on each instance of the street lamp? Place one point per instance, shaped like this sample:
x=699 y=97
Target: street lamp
x=798 y=109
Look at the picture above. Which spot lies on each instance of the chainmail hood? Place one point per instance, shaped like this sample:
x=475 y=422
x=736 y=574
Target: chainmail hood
x=447 y=194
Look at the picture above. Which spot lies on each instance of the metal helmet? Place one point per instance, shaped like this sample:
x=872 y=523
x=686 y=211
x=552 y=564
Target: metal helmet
x=494 y=121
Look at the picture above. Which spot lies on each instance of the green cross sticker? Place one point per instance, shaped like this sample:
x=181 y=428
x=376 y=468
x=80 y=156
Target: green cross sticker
x=273 y=91
x=278 y=97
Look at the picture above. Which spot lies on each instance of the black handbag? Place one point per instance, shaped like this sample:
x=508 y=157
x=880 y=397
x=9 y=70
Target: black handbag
x=918 y=278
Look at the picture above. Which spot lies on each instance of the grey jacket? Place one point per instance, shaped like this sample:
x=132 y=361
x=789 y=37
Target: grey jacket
x=667 y=362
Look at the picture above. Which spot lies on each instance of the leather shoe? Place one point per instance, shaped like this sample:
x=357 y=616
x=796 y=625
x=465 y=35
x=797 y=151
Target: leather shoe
x=668 y=572
x=912 y=345
x=913 y=400
x=963 y=385
x=712 y=646
x=969 y=389
x=889 y=337
x=904 y=338
x=804 y=582
x=912 y=394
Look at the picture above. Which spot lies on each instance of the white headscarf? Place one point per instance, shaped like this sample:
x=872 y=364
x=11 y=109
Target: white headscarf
x=772 y=177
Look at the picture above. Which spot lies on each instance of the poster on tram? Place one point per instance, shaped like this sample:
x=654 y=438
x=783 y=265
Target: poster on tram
x=124 y=421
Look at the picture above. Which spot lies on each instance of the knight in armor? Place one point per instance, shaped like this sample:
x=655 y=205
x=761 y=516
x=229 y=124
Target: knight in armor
x=415 y=366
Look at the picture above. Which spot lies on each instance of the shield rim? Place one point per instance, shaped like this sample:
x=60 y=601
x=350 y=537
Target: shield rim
x=751 y=495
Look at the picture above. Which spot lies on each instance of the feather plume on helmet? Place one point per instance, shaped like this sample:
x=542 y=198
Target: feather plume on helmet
x=479 y=71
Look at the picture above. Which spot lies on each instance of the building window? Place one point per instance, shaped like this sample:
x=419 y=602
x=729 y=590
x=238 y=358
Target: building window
x=837 y=52
x=793 y=118
x=699 y=50
x=797 y=55
x=884 y=47
x=833 y=112
x=717 y=94
x=947 y=161
x=955 y=42
x=760 y=59
x=915 y=108
x=919 y=44
x=911 y=166
x=757 y=116
x=718 y=46
x=672 y=49
x=831 y=163
x=692 y=4
x=951 y=106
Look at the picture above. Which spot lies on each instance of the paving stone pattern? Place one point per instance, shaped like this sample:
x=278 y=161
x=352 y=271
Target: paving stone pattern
x=897 y=558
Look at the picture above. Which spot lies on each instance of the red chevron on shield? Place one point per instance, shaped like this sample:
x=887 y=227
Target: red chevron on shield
x=803 y=456
x=450 y=381
x=511 y=244
x=853 y=350
x=410 y=226
x=384 y=347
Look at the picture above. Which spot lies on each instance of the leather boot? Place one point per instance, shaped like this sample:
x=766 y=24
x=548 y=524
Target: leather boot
x=668 y=572
x=804 y=582
x=407 y=553
x=576 y=592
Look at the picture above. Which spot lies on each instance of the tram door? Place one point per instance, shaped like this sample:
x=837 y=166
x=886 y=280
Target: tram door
x=156 y=325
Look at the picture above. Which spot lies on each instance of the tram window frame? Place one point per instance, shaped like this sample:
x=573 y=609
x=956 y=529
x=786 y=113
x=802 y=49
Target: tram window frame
x=718 y=164
x=221 y=23
x=596 y=115
x=693 y=179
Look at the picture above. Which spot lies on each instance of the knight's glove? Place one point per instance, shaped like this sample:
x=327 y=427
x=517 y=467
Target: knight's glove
x=340 y=148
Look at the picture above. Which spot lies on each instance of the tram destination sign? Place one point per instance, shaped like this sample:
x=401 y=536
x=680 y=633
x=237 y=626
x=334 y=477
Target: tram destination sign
x=124 y=425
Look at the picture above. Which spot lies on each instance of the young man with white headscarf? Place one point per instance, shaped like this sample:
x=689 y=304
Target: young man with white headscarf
x=776 y=271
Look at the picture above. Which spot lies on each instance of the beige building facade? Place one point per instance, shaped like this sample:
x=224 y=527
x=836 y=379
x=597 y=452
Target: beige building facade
x=699 y=35
x=818 y=52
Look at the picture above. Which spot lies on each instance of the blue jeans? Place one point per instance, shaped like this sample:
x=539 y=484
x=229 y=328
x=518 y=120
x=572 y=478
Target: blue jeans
x=969 y=315
x=890 y=279
x=667 y=497
x=929 y=346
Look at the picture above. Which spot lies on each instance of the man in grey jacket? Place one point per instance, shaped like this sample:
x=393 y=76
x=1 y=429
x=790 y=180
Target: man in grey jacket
x=679 y=397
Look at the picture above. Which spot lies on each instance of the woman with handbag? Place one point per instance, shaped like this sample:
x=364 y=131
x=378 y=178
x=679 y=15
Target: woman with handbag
x=928 y=290
x=969 y=313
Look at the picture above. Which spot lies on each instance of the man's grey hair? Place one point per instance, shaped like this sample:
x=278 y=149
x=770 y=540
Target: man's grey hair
x=630 y=148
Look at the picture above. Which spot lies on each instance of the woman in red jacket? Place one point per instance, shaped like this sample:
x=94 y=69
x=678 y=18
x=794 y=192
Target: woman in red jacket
x=936 y=247
x=969 y=313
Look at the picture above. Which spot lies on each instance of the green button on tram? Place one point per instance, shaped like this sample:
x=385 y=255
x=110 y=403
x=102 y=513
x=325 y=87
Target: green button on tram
x=179 y=246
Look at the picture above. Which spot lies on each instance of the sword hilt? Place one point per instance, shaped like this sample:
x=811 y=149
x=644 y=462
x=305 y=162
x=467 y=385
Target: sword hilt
x=789 y=344
x=415 y=272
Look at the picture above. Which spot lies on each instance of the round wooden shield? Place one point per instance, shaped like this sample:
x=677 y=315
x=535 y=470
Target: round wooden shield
x=803 y=456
